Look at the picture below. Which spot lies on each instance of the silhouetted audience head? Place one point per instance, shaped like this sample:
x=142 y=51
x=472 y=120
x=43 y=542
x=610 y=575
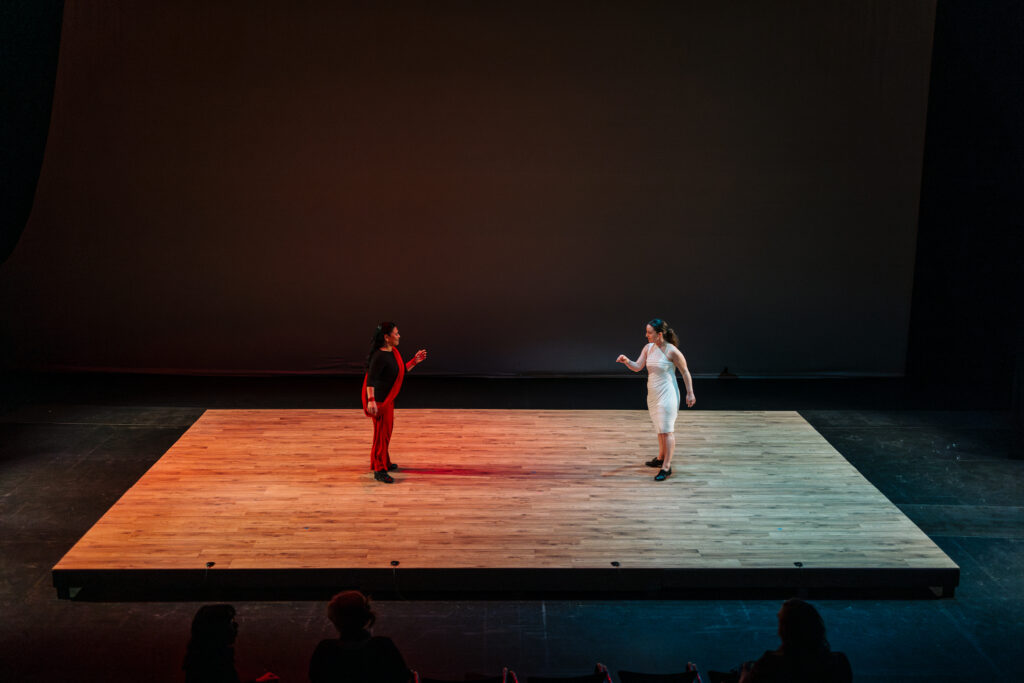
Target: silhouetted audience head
x=350 y=612
x=356 y=655
x=214 y=626
x=210 y=655
x=801 y=628
x=804 y=656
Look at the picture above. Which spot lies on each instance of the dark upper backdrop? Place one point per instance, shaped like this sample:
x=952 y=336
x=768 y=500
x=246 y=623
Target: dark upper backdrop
x=250 y=186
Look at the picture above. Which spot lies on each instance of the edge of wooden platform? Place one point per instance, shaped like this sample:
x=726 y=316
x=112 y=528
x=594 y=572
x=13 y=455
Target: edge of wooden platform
x=319 y=584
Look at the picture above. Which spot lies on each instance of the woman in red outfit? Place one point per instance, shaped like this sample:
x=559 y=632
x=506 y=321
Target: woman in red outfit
x=381 y=385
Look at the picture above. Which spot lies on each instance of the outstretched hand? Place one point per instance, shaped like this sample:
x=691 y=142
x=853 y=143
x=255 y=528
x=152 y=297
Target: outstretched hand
x=622 y=358
x=420 y=356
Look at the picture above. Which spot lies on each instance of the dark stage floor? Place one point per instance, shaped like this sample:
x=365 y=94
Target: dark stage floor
x=71 y=445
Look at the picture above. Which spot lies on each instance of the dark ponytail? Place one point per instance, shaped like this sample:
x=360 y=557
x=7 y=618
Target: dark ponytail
x=659 y=325
x=383 y=330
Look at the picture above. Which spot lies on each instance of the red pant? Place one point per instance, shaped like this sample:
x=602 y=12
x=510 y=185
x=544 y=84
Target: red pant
x=383 y=423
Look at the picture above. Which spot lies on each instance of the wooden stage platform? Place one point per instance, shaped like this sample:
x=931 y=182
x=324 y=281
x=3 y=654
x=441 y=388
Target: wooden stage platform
x=281 y=504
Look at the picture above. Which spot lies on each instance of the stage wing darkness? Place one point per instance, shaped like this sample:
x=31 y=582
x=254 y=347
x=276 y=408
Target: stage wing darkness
x=252 y=186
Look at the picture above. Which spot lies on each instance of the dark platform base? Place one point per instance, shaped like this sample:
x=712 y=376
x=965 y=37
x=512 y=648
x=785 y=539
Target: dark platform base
x=309 y=584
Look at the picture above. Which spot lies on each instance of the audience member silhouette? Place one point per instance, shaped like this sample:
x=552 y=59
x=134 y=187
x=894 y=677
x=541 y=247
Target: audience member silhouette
x=355 y=655
x=210 y=655
x=804 y=656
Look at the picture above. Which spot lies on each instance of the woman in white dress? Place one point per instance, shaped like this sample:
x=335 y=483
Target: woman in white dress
x=661 y=357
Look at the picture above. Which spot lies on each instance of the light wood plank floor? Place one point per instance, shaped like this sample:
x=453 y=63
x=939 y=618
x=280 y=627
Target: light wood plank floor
x=291 y=489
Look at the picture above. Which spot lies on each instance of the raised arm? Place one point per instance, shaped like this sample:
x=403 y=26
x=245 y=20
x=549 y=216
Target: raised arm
x=676 y=356
x=420 y=356
x=640 y=363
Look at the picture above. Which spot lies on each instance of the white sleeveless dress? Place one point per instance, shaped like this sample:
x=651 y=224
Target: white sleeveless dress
x=662 y=389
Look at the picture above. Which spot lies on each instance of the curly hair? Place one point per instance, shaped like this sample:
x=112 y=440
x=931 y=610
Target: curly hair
x=350 y=611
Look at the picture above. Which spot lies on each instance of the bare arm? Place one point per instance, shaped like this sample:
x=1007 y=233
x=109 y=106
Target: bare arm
x=640 y=363
x=676 y=356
